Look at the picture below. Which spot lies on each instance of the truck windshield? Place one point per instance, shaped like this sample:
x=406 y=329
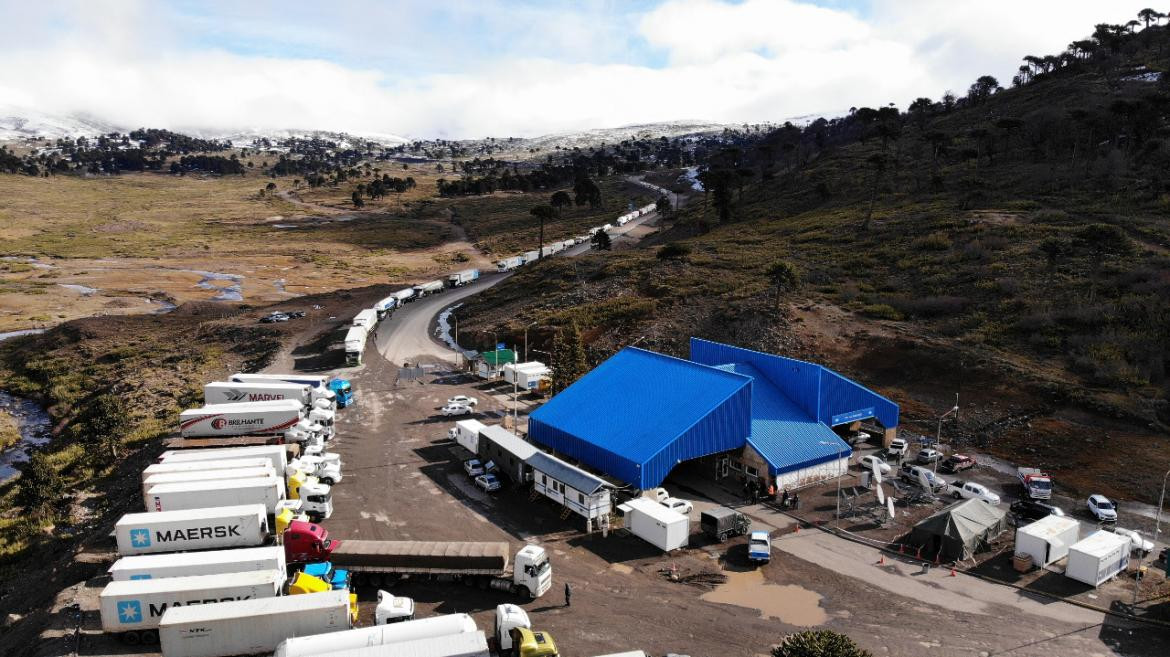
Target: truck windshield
x=1042 y=485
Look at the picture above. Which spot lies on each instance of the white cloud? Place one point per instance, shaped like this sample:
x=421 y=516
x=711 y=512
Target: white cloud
x=758 y=60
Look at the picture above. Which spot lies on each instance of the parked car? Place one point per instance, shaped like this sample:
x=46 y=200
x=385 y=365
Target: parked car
x=463 y=399
x=909 y=474
x=1137 y=542
x=274 y=317
x=660 y=494
x=1102 y=509
x=956 y=463
x=674 y=504
x=296 y=314
x=473 y=467
x=971 y=490
x=759 y=547
x=456 y=409
x=898 y=447
x=868 y=461
x=1033 y=510
x=928 y=455
x=488 y=482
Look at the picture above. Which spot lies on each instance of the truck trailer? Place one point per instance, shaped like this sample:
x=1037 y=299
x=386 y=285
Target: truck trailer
x=261 y=472
x=190 y=564
x=355 y=344
x=508 y=264
x=268 y=417
x=250 y=627
x=200 y=466
x=186 y=495
x=429 y=288
x=366 y=318
x=415 y=630
x=484 y=564
x=277 y=455
x=197 y=529
x=133 y=608
x=234 y=392
x=461 y=278
x=531 y=256
x=469 y=644
x=405 y=296
x=339 y=387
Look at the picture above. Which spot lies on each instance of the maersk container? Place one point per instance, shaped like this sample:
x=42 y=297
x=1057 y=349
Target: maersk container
x=250 y=627
x=255 y=418
x=415 y=630
x=276 y=454
x=657 y=525
x=188 y=564
x=219 y=492
x=470 y=644
x=131 y=606
x=259 y=472
x=206 y=528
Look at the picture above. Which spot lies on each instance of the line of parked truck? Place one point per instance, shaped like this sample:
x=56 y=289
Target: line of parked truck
x=553 y=248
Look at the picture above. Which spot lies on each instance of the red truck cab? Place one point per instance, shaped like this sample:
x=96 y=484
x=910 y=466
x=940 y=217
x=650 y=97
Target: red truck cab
x=307 y=541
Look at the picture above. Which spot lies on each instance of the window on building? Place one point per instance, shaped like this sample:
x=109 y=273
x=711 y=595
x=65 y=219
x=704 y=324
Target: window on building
x=751 y=472
x=580 y=498
x=543 y=480
x=737 y=465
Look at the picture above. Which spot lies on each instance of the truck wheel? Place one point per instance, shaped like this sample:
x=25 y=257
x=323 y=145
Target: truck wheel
x=131 y=638
x=150 y=637
x=328 y=481
x=523 y=592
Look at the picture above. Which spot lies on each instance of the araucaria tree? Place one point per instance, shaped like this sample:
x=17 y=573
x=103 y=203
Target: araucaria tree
x=568 y=358
x=543 y=213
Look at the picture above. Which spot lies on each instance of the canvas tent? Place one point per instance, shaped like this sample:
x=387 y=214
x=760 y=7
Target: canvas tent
x=959 y=531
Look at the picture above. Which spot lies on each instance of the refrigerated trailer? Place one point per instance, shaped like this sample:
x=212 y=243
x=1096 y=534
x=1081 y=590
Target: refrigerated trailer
x=133 y=608
x=415 y=630
x=251 y=418
x=261 y=472
x=189 y=564
x=461 y=278
x=355 y=344
x=234 y=392
x=277 y=455
x=508 y=264
x=251 y=627
x=205 y=466
x=217 y=492
x=366 y=318
x=470 y=644
x=196 y=529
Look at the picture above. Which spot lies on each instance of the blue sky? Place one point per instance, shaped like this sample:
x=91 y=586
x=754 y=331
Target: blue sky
x=495 y=67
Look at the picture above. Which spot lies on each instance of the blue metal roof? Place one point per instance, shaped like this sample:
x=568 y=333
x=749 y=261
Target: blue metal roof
x=640 y=413
x=566 y=473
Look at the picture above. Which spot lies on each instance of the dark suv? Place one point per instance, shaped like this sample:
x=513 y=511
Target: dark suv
x=1033 y=510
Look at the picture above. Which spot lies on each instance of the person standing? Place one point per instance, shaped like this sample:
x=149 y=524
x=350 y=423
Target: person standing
x=568 y=595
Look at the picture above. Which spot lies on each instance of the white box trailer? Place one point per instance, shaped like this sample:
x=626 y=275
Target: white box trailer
x=414 y=630
x=466 y=433
x=531 y=256
x=189 y=564
x=470 y=644
x=234 y=392
x=207 y=528
x=463 y=277
x=205 y=466
x=527 y=376
x=259 y=472
x=213 y=493
x=355 y=344
x=508 y=264
x=250 y=627
x=311 y=380
x=657 y=525
x=251 y=418
x=1098 y=557
x=131 y=606
x=1047 y=540
x=277 y=455
x=366 y=318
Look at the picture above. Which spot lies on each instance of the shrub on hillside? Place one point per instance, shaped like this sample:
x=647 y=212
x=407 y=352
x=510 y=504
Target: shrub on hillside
x=673 y=250
x=818 y=643
x=881 y=311
x=937 y=306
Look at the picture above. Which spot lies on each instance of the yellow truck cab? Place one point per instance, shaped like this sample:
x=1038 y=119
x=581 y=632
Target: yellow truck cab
x=529 y=643
x=302 y=583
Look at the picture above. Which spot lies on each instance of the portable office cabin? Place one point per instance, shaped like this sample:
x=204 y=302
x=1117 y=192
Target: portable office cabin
x=491 y=363
x=1097 y=558
x=566 y=484
x=1047 y=540
x=466 y=433
x=659 y=526
x=508 y=451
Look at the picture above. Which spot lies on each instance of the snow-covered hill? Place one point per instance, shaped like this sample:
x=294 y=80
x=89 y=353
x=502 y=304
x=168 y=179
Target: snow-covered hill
x=22 y=123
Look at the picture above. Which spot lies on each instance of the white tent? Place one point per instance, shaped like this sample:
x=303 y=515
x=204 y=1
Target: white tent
x=1047 y=540
x=1098 y=557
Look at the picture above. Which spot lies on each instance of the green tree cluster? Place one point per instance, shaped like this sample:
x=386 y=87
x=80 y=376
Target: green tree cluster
x=568 y=358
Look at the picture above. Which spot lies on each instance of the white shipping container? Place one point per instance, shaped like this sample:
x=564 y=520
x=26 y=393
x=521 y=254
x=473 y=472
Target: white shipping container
x=270 y=417
x=196 y=529
x=276 y=454
x=1047 y=540
x=218 y=492
x=471 y=644
x=139 y=604
x=426 y=628
x=205 y=466
x=188 y=564
x=259 y=472
x=661 y=527
x=467 y=434
x=250 y=627
x=1097 y=558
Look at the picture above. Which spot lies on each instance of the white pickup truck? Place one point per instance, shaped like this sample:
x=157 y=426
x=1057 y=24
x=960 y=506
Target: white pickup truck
x=971 y=490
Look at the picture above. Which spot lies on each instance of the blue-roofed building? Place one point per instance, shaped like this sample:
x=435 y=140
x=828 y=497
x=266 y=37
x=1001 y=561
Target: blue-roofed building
x=747 y=415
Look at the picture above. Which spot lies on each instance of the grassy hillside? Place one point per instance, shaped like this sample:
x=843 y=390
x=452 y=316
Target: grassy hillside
x=1010 y=246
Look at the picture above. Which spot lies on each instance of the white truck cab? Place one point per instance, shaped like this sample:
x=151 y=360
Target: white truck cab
x=327 y=471
x=393 y=608
x=323 y=418
x=532 y=571
x=509 y=617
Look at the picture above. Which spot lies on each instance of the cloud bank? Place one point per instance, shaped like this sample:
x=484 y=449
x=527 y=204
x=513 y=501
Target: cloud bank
x=502 y=69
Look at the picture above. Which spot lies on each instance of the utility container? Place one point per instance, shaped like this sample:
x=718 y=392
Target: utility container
x=355 y=344
x=218 y=492
x=657 y=525
x=131 y=606
x=466 y=433
x=470 y=644
x=1047 y=540
x=415 y=630
x=189 y=564
x=276 y=454
x=259 y=472
x=250 y=627
x=270 y=417
x=366 y=318
x=195 y=529
x=1097 y=558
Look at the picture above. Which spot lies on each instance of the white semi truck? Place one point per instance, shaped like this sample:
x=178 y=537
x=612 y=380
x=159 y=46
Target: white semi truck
x=216 y=492
x=190 y=564
x=234 y=392
x=208 y=528
x=429 y=288
x=250 y=627
x=508 y=264
x=355 y=344
x=531 y=256
x=133 y=608
x=384 y=306
x=426 y=628
x=461 y=278
x=250 y=418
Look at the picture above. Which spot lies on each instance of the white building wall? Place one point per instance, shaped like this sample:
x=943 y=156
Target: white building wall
x=811 y=475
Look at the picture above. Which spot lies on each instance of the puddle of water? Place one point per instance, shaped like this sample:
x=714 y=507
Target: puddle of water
x=84 y=290
x=445 y=328
x=692 y=175
x=164 y=306
x=28 y=261
x=230 y=292
x=791 y=604
x=279 y=285
x=14 y=334
x=34 y=425
x=285 y=226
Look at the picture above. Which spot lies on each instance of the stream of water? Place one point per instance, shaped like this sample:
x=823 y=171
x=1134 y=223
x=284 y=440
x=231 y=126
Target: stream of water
x=31 y=419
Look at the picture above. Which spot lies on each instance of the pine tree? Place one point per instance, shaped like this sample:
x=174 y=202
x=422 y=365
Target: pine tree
x=568 y=358
x=41 y=487
x=601 y=241
x=102 y=426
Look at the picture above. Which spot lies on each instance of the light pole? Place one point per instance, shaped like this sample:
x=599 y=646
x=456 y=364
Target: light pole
x=837 y=523
x=938 y=435
x=1137 y=582
x=526 y=339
